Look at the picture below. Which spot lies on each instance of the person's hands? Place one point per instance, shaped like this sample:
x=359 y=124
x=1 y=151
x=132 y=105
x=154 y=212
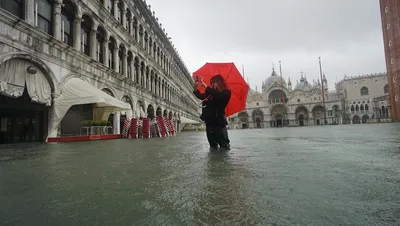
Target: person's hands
x=202 y=82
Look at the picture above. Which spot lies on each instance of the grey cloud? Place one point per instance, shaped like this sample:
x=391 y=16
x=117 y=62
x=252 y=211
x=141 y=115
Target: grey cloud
x=347 y=34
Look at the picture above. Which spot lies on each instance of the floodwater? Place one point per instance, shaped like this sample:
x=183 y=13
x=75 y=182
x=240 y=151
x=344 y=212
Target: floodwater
x=336 y=175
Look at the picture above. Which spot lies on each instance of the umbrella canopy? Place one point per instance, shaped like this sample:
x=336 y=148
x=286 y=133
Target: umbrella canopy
x=234 y=81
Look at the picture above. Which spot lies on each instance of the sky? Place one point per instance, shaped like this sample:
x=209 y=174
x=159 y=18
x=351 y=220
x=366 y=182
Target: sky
x=347 y=35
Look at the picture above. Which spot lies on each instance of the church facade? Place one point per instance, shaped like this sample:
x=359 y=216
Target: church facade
x=279 y=104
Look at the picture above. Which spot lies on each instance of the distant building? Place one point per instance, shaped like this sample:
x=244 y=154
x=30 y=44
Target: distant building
x=390 y=17
x=356 y=100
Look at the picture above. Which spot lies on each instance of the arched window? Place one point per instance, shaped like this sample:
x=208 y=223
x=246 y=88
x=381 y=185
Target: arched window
x=43 y=14
x=67 y=22
x=121 y=55
x=366 y=107
x=362 y=107
x=120 y=11
x=128 y=21
x=111 y=47
x=364 y=91
x=100 y=37
x=357 y=108
x=86 y=28
x=129 y=66
x=386 y=89
x=15 y=7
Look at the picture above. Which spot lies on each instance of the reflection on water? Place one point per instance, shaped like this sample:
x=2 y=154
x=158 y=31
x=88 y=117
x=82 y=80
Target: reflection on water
x=334 y=175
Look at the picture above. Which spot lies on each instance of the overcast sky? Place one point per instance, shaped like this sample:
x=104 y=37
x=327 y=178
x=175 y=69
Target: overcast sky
x=347 y=34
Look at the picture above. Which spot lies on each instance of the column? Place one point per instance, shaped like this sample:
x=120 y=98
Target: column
x=116 y=126
x=124 y=15
x=115 y=9
x=30 y=12
x=116 y=59
x=77 y=33
x=93 y=44
x=57 y=20
x=133 y=70
x=105 y=4
x=105 y=52
x=125 y=65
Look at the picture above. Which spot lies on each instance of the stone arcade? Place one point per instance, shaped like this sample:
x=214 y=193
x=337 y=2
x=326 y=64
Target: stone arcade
x=117 y=46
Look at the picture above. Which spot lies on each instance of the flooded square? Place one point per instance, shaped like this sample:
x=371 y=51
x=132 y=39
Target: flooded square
x=323 y=175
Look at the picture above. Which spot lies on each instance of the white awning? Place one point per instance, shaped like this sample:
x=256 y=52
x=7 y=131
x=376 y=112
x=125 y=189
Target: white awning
x=77 y=91
x=185 y=120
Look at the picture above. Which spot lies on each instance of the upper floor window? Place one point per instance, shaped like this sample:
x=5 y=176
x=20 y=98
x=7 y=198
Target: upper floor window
x=15 y=7
x=44 y=15
x=67 y=22
x=386 y=89
x=364 y=91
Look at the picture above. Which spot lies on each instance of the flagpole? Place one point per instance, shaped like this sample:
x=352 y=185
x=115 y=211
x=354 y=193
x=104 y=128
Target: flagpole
x=323 y=90
x=243 y=70
x=282 y=93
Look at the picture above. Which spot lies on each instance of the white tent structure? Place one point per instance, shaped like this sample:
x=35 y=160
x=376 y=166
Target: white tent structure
x=77 y=91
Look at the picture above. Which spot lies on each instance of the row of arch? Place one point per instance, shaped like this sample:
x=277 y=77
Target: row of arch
x=78 y=29
x=150 y=113
x=300 y=110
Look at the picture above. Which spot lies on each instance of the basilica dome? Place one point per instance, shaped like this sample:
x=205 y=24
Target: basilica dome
x=274 y=79
x=303 y=84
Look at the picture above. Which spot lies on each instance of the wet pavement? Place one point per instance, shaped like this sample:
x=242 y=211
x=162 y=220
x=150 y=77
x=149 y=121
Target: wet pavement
x=337 y=175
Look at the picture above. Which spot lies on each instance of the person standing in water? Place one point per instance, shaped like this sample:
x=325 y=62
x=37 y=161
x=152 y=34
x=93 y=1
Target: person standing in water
x=214 y=101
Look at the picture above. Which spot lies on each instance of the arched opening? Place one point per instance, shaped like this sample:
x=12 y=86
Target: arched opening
x=356 y=119
x=44 y=15
x=111 y=6
x=68 y=12
x=112 y=45
x=137 y=70
x=129 y=61
x=364 y=91
x=86 y=29
x=318 y=115
x=121 y=55
x=140 y=108
x=150 y=112
x=386 y=89
x=120 y=11
x=276 y=97
x=23 y=110
x=124 y=116
x=165 y=113
x=128 y=21
x=301 y=114
x=243 y=119
x=100 y=37
x=142 y=73
x=170 y=115
x=147 y=78
x=365 y=118
x=158 y=111
x=258 y=118
x=278 y=114
x=352 y=108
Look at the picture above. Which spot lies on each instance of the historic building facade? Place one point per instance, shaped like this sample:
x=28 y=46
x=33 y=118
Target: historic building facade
x=116 y=46
x=390 y=17
x=360 y=99
x=366 y=98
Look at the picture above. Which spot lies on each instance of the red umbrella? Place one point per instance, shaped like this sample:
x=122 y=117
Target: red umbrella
x=234 y=81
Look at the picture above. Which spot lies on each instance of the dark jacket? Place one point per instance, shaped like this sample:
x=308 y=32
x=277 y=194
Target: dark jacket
x=214 y=104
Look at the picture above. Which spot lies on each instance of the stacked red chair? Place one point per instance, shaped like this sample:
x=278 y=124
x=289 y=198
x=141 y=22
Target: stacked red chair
x=161 y=126
x=134 y=128
x=146 y=128
x=125 y=130
x=169 y=126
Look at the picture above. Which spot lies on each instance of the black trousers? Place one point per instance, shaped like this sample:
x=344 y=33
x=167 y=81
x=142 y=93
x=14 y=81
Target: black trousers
x=217 y=135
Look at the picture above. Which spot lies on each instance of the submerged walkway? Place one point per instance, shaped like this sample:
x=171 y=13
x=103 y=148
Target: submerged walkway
x=336 y=175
